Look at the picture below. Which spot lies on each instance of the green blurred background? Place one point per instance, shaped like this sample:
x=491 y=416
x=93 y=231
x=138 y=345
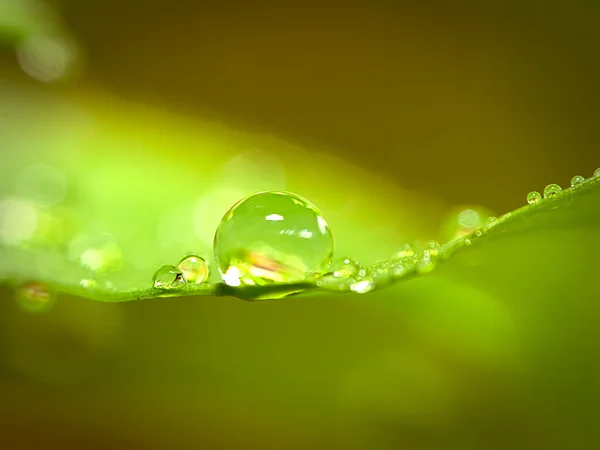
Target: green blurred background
x=154 y=117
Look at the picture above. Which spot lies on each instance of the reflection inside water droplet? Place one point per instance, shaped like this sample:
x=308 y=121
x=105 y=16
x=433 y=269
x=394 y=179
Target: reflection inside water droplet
x=533 y=197
x=168 y=277
x=194 y=268
x=272 y=237
x=552 y=190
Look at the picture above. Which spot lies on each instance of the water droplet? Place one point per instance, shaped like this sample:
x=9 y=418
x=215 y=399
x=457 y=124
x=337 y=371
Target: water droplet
x=333 y=283
x=272 y=237
x=88 y=283
x=35 y=297
x=576 y=180
x=533 y=197
x=168 y=277
x=551 y=190
x=597 y=172
x=468 y=242
x=478 y=233
x=406 y=251
x=345 y=268
x=362 y=286
x=425 y=262
x=194 y=268
x=434 y=248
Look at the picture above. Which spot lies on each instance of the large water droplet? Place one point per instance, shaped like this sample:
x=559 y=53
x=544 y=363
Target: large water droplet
x=272 y=237
x=35 y=297
x=551 y=190
x=577 y=180
x=345 y=268
x=194 y=269
x=533 y=197
x=597 y=172
x=168 y=277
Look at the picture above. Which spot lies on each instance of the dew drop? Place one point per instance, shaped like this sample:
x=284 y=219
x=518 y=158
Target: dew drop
x=333 y=283
x=425 y=262
x=194 y=268
x=272 y=237
x=434 y=248
x=35 y=297
x=468 y=242
x=533 y=197
x=362 y=286
x=551 y=190
x=406 y=251
x=345 y=268
x=168 y=277
x=577 y=180
x=597 y=173
x=88 y=283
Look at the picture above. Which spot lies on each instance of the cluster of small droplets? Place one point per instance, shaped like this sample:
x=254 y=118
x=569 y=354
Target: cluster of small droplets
x=552 y=190
x=191 y=270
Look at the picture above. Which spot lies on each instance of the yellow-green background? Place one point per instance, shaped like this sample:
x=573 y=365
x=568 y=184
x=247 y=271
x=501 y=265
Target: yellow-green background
x=388 y=116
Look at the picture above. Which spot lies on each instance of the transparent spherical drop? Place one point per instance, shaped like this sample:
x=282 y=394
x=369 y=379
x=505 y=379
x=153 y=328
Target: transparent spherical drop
x=35 y=297
x=551 y=190
x=272 y=237
x=345 y=268
x=168 y=277
x=533 y=197
x=194 y=268
x=577 y=180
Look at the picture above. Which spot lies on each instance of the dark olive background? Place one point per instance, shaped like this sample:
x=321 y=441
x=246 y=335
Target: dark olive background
x=472 y=102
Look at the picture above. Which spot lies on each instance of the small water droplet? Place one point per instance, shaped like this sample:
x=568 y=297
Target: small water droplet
x=362 y=286
x=333 y=283
x=434 y=248
x=406 y=251
x=597 y=172
x=345 y=268
x=168 y=277
x=533 y=197
x=88 y=283
x=35 y=297
x=478 y=233
x=194 y=268
x=551 y=190
x=426 y=262
x=272 y=237
x=468 y=242
x=577 y=180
